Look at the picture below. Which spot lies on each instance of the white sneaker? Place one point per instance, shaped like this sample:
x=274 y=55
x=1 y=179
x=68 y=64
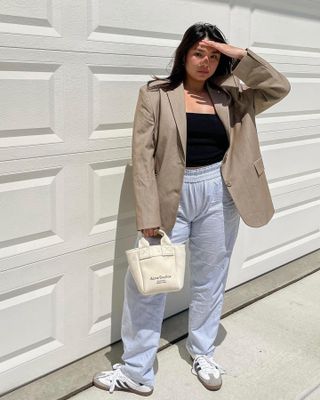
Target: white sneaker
x=208 y=372
x=116 y=380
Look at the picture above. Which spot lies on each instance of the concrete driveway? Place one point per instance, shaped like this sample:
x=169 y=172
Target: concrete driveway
x=270 y=350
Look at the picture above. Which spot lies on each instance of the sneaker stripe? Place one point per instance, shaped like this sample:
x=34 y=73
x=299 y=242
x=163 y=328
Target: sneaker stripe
x=119 y=384
x=197 y=367
x=125 y=385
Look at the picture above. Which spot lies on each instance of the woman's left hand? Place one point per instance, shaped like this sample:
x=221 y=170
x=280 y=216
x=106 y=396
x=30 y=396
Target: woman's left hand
x=227 y=49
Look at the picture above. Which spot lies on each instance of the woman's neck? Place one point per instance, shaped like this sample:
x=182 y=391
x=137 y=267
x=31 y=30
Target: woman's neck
x=194 y=86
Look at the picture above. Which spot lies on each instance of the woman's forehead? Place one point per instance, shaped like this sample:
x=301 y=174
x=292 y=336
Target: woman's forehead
x=197 y=46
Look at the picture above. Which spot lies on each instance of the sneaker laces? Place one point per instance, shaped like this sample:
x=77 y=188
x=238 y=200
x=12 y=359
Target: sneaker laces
x=206 y=363
x=112 y=376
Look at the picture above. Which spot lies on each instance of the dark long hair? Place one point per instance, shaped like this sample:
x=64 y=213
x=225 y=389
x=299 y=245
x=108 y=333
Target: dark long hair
x=192 y=35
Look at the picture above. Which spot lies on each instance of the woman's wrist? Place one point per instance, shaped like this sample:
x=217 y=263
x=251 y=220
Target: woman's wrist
x=242 y=54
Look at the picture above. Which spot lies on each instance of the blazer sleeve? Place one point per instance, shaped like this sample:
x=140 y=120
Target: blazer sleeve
x=143 y=171
x=266 y=85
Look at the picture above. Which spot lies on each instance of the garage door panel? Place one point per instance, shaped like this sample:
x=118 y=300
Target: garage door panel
x=100 y=284
x=291 y=234
x=31 y=112
x=111 y=200
x=33 y=316
x=117 y=94
x=294 y=159
x=288 y=128
x=35 y=218
x=287 y=226
x=109 y=23
x=306 y=90
x=30 y=17
x=38 y=190
x=294 y=19
x=30 y=213
x=303 y=103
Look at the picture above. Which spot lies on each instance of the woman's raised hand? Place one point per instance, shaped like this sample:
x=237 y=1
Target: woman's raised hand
x=227 y=49
x=150 y=232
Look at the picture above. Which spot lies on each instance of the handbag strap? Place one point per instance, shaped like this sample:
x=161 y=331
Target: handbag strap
x=164 y=240
x=164 y=249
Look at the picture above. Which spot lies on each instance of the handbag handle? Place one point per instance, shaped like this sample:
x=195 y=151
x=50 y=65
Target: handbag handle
x=164 y=240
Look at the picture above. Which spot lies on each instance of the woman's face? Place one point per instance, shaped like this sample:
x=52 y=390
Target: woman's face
x=201 y=62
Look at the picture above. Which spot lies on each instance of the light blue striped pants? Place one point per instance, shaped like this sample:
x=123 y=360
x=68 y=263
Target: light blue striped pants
x=207 y=216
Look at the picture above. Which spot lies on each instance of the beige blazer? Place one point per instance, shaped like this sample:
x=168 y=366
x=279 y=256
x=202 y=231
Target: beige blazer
x=159 y=144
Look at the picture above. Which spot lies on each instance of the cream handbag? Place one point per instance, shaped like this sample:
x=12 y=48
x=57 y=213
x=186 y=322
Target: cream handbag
x=157 y=268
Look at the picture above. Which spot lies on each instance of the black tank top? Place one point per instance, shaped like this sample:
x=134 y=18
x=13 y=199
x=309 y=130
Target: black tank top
x=207 y=140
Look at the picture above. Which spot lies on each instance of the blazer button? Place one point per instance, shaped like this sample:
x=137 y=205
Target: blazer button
x=228 y=183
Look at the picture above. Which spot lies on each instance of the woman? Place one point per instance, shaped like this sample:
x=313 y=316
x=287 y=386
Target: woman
x=197 y=168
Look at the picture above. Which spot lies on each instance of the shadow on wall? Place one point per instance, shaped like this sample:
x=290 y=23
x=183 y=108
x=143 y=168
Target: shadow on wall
x=125 y=238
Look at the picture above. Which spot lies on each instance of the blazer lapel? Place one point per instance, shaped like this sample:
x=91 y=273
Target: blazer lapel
x=219 y=98
x=178 y=107
x=221 y=101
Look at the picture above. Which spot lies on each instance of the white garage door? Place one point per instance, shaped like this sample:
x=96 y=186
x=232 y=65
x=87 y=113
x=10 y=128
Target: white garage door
x=70 y=72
